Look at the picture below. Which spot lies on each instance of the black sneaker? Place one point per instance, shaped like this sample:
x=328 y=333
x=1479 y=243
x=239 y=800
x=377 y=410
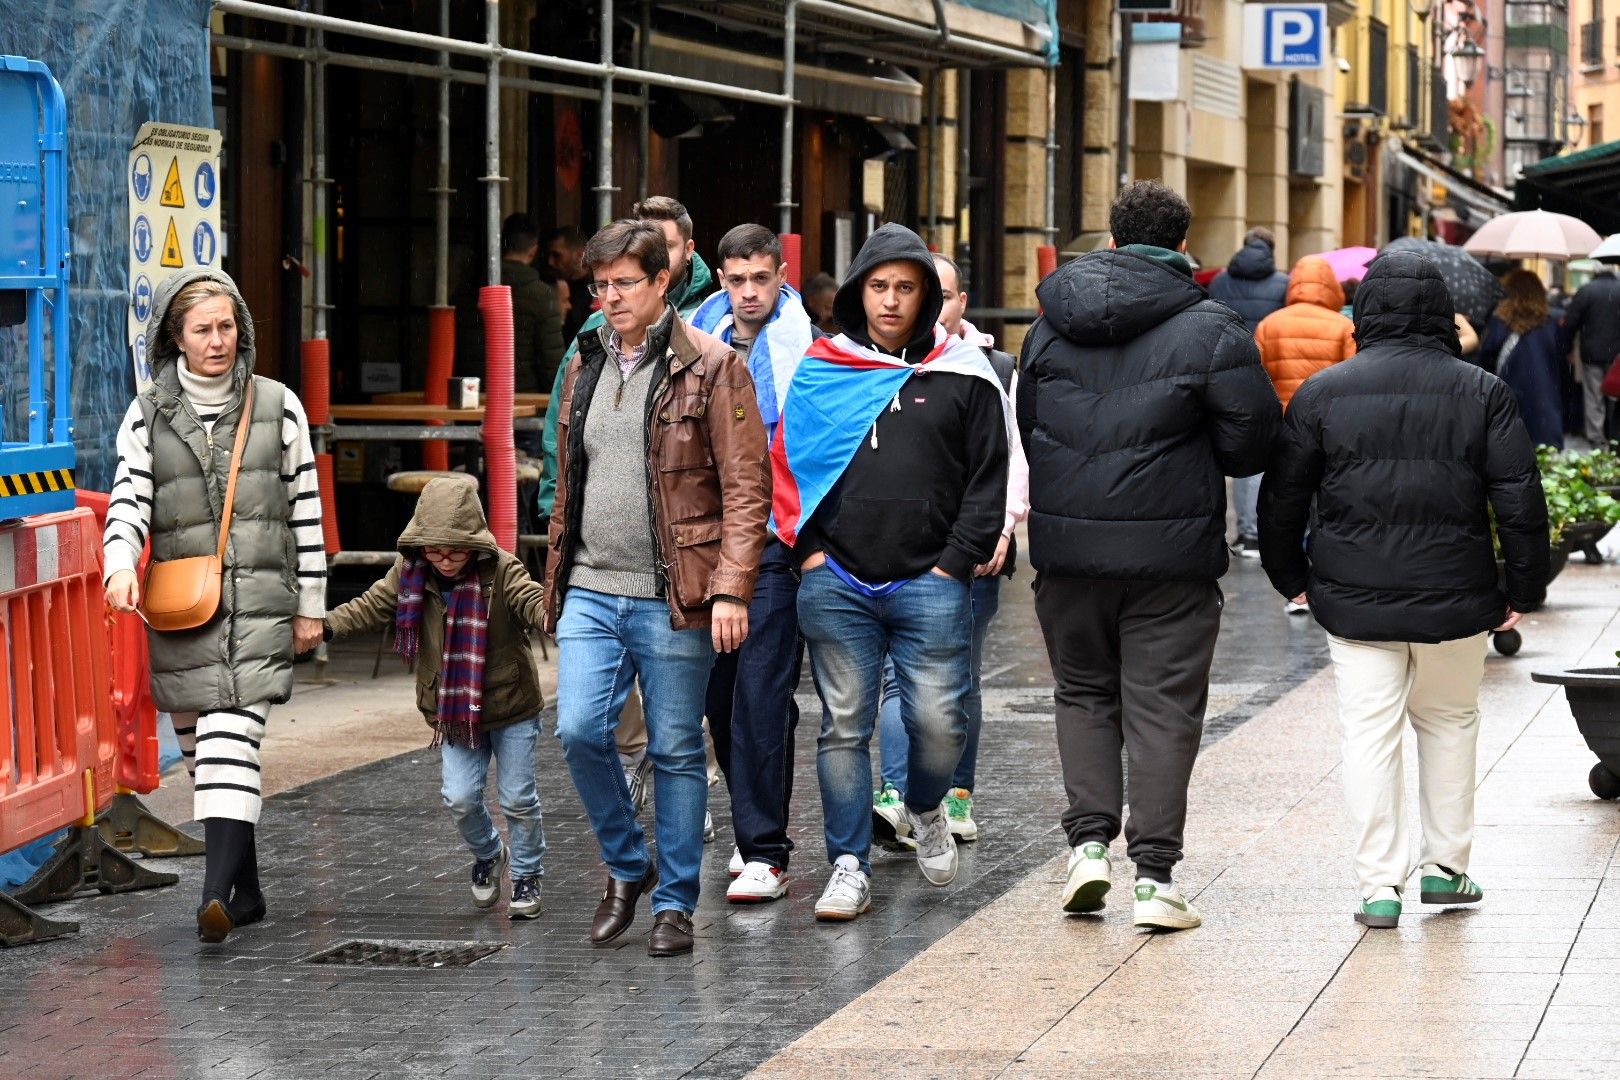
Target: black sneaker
x=486 y=879
x=1246 y=546
x=525 y=898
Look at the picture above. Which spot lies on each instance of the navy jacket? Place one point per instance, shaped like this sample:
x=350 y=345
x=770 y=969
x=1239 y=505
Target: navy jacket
x=1252 y=285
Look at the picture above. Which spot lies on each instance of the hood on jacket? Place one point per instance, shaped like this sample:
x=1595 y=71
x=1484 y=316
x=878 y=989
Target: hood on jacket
x=1314 y=282
x=890 y=243
x=1254 y=261
x=1112 y=296
x=161 y=351
x=1403 y=300
x=697 y=284
x=449 y=515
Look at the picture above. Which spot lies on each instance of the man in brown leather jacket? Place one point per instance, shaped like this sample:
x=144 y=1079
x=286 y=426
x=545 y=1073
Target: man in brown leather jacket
x=655 y=541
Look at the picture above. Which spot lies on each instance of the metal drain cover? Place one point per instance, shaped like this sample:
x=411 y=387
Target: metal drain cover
x=411 y=954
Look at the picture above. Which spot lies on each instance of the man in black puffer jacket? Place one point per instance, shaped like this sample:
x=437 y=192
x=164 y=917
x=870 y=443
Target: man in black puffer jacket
x=1137 y=394
x=1405 y=451
x=1254 y=288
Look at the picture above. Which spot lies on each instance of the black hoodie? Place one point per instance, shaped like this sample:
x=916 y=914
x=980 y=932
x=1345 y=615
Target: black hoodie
x=1252 y=285
x=1405 y=450
x=928 y=486
x=1136 y=395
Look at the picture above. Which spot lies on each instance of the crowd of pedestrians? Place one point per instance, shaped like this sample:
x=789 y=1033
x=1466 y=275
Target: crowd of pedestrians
x=744 y=483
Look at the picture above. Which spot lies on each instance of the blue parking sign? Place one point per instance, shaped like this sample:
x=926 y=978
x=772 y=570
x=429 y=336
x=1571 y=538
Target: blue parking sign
x=1285 y=36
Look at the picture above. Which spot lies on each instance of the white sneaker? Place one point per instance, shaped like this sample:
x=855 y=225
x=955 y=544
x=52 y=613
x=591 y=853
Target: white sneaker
x=847 y=894
x=1164 y=907
x=936 y=848
x=487 y=876
x=758 y=882
x=708 y=827
x=735 y=866
x=1086 y=887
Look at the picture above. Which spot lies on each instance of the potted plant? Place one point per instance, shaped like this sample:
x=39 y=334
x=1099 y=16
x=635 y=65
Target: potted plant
x=1579 y=512
x=1594 y=698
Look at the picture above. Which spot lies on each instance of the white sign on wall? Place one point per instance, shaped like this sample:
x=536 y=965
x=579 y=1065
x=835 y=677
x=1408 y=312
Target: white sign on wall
x=173 y=219
x=1289 y=37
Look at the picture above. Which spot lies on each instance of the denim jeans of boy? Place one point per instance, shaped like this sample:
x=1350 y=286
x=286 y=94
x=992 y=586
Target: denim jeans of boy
x=926 y=626
x=465 y=770
x=753 y=717
x=603 y=644
x=892 y=730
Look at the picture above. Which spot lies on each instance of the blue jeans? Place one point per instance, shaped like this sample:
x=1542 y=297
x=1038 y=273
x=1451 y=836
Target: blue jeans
x=603 y=644
x=1246 y=505
x=752 y=714
x=465 y=769
x=892 y=730
x=927 y=627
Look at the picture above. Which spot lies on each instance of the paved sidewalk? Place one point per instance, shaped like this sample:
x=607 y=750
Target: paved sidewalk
x=984 y=978
x=1279 y=982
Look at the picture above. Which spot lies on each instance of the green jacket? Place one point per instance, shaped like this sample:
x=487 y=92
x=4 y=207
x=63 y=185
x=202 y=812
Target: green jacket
x=448 y=514
x=244 y=655
x=536 y=327
x=696 y=289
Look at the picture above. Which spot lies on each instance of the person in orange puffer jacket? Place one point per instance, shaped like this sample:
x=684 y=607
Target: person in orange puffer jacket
x=1308 y=334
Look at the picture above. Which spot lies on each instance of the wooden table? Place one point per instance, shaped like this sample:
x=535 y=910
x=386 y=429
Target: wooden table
x=417 y=397
x=420 y=423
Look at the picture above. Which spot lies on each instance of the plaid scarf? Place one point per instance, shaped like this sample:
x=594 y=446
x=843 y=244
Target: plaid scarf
x=466 y=641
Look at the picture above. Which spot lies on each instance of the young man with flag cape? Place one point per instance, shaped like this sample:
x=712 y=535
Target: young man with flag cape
x=889 y=471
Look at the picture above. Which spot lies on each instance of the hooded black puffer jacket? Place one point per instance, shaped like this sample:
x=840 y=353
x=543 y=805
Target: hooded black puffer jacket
x=1405 y=449
x=1136 y=394
x=1252 y=285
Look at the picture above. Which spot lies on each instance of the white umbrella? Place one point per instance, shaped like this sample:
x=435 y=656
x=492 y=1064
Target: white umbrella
x=1609 y=250
x=1531 y=234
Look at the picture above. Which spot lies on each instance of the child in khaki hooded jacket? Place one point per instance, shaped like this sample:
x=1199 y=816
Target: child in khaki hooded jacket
x=462 y=609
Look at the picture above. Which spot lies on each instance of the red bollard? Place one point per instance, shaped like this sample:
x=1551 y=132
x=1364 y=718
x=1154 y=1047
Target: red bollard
x=500 y=453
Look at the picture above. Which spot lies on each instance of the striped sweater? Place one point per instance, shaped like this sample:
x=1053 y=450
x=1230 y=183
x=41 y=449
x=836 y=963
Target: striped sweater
x=129 y=515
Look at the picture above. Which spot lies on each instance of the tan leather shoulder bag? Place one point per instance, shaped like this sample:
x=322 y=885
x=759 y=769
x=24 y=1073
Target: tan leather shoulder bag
x=183 y=594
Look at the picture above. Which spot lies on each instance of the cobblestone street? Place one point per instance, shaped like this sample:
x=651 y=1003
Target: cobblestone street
x=984 y=978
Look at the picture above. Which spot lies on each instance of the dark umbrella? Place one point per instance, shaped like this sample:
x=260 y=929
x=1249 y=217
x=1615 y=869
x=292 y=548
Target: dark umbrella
x=1475 y=292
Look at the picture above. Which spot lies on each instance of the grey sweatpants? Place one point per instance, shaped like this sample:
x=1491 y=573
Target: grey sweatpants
x=1131 y=661
x=1596 y=405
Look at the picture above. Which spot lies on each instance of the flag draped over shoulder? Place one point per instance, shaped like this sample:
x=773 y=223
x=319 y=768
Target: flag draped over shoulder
x=782 y=343
x=837 y=394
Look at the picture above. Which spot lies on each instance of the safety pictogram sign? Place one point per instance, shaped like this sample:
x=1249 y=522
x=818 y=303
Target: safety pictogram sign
x=174 y=204
x=172 y=257
x=173 y=194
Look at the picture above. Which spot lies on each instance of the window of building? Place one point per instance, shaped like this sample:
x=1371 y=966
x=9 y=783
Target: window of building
x=1594 y=124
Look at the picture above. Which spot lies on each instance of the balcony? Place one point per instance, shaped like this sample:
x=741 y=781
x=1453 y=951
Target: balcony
x=1592 y=46
x=1378 y=66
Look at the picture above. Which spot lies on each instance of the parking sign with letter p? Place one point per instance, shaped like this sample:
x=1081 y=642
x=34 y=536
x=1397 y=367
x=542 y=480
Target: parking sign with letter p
x=1285 y=36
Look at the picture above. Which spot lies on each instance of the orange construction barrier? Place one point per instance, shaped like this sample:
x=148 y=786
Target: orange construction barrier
x=500 y=464
x=58 y=758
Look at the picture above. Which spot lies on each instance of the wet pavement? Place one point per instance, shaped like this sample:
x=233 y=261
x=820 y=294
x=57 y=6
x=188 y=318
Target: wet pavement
x=369 y=855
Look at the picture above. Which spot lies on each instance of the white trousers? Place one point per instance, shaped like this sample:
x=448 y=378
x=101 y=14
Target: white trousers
x=1381 y=685
x=221 y=751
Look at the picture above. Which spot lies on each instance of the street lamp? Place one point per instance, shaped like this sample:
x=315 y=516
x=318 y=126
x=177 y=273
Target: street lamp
x=1574 y=127
x=1467 y=56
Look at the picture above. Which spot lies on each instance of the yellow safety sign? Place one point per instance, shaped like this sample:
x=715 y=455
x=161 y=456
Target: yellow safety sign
x=174 y=193
x=171 y=247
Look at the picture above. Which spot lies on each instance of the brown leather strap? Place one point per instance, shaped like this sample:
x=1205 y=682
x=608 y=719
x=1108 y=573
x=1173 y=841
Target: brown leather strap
x=242 y=424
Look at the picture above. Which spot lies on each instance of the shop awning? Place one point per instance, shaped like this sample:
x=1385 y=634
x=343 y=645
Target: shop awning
x=890 y=93
x=1585 y=184
x=1460 y=187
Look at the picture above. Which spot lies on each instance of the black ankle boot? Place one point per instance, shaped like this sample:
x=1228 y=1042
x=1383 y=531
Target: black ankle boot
x=247 y=900
x=227 y=841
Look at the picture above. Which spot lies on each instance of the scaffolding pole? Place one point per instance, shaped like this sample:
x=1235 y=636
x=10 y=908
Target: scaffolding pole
x=604 y=123
x=644 y=128
x=441 y=191
x=790 y=26
x=320 y=181
x=484 y=51
x=1050 y=227
x=492 y=143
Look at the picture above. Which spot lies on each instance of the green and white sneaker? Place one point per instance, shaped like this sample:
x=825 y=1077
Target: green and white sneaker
x=1162 y=907
x=1441 y=886
x=1086 y=887
x=1381 y=910
x=889 y=825
x=959 y=808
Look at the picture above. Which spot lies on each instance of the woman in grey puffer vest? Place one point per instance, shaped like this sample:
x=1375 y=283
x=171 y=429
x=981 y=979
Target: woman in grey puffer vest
x=174 y=452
